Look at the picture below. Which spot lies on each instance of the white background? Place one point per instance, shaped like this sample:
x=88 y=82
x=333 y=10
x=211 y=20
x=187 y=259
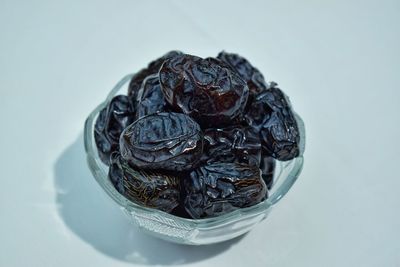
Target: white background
x=337 y=60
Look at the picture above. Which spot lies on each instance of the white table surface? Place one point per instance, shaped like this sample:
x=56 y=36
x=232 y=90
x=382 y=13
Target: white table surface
x=339 y=61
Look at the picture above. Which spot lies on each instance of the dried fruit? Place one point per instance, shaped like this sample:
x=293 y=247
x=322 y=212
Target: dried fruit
x=205 y=89
x=219 y=188
x=110 y=123
x=150 y=99
x=271 y=115
x=232 y=144
x=115 y=172
x=169 y=141
x=147 y=188
x=152 y=68
x=251 y=75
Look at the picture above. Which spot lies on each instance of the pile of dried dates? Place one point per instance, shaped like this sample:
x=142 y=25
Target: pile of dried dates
x=197 y=137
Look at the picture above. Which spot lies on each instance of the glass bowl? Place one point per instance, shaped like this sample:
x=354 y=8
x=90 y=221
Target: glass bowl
x=190 y=231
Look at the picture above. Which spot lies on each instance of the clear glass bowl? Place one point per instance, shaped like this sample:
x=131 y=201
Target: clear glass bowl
x=190 y=231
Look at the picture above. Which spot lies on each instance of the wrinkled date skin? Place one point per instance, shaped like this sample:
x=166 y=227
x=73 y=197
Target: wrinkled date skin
x=147 y=188
x=151 y=69
x=219 y=188
x=251 y=75
x=169 y=141
x=110 y=123
x=232 y=144
x=272 y=116
x=204 y=89
x=267 y=167
x=150 y=99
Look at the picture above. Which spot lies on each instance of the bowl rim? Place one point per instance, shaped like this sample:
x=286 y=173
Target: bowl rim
x=97 y=168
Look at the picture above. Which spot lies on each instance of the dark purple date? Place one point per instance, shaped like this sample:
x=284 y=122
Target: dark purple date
x=204 y=89
x=110 y=123
x=219 y=188
x=147 y=188
x=232 y=144
x=151 y=69
x=169 y=141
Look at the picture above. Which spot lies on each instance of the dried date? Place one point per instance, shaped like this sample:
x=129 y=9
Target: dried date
x=109 y=125
x=150 y=99
x=232 y=144
x=251 y=75
x=219 y=188
x=204 y=89
x=169 y=141
x=151 y=69
x=147 y=188
x=271 y=115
